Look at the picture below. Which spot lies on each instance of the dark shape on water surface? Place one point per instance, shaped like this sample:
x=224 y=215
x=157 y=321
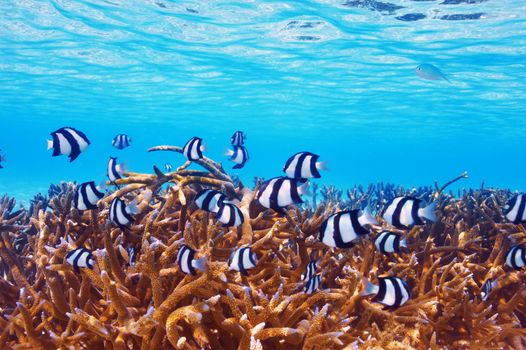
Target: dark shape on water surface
x=374 y=5
x=411 y=17
x=463 y=17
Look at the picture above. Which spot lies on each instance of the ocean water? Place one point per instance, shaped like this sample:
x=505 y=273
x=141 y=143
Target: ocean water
x=336 y=78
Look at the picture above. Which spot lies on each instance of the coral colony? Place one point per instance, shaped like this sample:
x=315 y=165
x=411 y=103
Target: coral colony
x=148 y=267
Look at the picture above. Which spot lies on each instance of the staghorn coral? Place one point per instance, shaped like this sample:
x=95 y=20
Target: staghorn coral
x=152 y=304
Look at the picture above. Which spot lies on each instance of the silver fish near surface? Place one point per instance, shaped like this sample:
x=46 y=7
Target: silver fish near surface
x=430 y=72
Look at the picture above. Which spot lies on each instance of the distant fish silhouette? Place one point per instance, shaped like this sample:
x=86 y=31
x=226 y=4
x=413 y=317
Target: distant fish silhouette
x=2 y=159
x=430 y=72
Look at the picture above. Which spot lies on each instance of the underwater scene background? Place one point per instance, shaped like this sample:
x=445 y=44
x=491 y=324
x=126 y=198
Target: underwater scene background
x=393 y=246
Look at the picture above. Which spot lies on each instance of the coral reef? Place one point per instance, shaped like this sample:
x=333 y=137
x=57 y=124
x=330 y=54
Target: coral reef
x=152 y=304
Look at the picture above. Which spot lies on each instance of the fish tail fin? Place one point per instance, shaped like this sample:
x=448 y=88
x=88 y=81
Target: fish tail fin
x=403 y=242
x=102 y=187
x=369 y=287
x=229 y=152
x=122 y=167
x=203 y=147
x=429 y=212
x=49 y=144
x=304 y=188
x=132 y=207
x=368 y=216
x=322 y=165
x=200 y=264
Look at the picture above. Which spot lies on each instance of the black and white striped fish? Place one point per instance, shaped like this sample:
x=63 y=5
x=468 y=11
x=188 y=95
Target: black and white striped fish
x=345 y=227
x=310 y=270
x=515 y=210
x=304 y=165
x=230 y=215
x=209 y=200
x=280 y=192
x=238 y=155
x=388 y=242
x=115 y=170
x=168 y=168
x=516 y=257
x=242 y=259
x=68 y=141
x=20 y=242
x=131 y=256
x=121 y=141
x=486 y=288
x=313 y=284
x=391 y=291
x=186 y=261
x=194 y=148
x=120 y=214
x=404 y=212
x=86 y=196
x=238 y=139
x=80 y=258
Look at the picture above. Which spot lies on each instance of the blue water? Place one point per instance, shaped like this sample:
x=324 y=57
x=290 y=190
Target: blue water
x=333 y=77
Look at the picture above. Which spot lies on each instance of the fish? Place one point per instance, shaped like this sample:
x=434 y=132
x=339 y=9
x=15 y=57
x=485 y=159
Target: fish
x=131 y=256
x=186 y=261
x=242 y=259
x=344 y=228
x=80 y=258
x=310 y=270
x=515 y=209
x=304 y=165
x=388 y=242
x=230 y=215
x=238 y=139
x=121 y=141
x=168 y=167
x=390 y=291
x=209 y=200
x=430 y=72
x=120 y=214
x=2 y=159
x=238 y=155
x=516 y=257
x=279 y=192
x=486 y=288
x=31 y=231
x=20 y=242
x=312 y=284
x=115 y=171
x=86 y=196
x=194 y=148
x=68 y=141
x=404 y=212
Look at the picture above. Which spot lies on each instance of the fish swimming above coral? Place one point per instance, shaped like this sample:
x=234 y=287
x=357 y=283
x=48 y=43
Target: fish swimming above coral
x=68 y=141
x=2 y=159
x=390 y=291
x=186 y=261
x=121 y=214
x=304 y=165
x=404 y=212
x=80 y=258
x=238 y=138
x=280 y=192
x=388 y=242
x=115 y=171
x=515 y=209
x=87 y=195
x=194 y=148
x=344 y=228
x=430 y=72
x=209 y=200
x=242 y=260
x=230 y=215
x=121 y=141
x=238 y=155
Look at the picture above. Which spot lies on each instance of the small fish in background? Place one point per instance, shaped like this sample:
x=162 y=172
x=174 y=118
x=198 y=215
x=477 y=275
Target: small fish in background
x=230 y=215
x=242 y=259
x=238 y=155
x=194 y=148
x=2 y=159
x=86 y=196
x=20 y=242
x=430 y=72
x=280 y=192
x=388 y=242
x=68 y=141
x=131 y=256
x=310 y=271
x=516 y=257
x=80 y=258
x=238 y=139
x=391 y=291
x=120 y=214
x=304 y=165
x=115 y=171
x=168 y=168
x=121 y=141
x=344 y=228
x=515 y=209
x=404 y=212
x=186 y=261
x=312 y=284
x=486 y=288
x=209 y=200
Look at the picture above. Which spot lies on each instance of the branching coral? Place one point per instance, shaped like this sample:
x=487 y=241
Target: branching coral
x=152 y=304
